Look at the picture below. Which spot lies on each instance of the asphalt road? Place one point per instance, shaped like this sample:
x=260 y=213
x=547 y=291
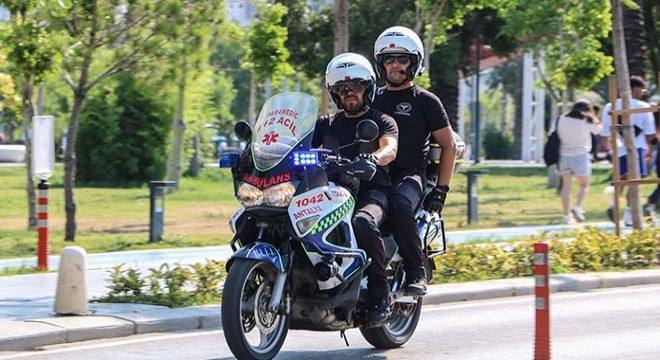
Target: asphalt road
x=606 y=324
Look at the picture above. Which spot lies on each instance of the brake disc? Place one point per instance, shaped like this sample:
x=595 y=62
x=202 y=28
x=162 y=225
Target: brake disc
x=264 y=319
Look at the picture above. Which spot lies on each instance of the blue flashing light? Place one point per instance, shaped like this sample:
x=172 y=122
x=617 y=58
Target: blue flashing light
x=305 y=158
x=228 y=160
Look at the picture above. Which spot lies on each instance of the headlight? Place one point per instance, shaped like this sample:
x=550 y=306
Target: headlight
x=249 y=195
x=279 y=195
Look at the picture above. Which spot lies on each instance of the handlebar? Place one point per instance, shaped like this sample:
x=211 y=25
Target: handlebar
x=334 y=163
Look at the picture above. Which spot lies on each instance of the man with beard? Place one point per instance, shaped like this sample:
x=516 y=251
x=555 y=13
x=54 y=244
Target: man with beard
x=419 y=115
x=352 y=83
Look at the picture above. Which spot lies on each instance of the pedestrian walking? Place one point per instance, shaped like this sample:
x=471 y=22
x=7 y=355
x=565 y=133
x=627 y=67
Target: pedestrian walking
x=644 y=127
x=575 y=129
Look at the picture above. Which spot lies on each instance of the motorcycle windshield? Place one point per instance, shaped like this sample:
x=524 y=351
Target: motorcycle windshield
x=284 y=120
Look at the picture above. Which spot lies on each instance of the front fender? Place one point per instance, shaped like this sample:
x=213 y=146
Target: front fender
x=259 y=251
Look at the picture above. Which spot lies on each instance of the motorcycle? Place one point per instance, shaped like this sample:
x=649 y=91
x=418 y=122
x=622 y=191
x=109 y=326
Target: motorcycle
x=296 y=263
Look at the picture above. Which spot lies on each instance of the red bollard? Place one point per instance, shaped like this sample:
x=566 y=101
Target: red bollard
x=542 y=292
x=43 y=246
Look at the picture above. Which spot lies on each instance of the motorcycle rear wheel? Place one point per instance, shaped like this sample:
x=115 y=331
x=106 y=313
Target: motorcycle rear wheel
x=251 y=331
x=398 y=329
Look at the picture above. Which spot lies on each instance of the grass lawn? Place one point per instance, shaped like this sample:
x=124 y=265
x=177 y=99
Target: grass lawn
x=198 y=213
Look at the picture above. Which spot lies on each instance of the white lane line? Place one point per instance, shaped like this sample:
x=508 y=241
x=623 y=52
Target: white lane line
x=112 y=342
x=530 y=298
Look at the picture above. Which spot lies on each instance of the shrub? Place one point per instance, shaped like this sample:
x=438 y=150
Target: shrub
x=123 y=133
x=589 y=250
x=497 y=144
x=172 y=286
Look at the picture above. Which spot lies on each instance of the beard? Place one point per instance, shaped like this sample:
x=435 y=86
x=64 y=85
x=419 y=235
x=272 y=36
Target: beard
x=353 y=108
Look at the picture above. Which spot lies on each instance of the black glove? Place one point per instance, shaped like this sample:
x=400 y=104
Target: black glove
x=371 y=158
x=435 y=200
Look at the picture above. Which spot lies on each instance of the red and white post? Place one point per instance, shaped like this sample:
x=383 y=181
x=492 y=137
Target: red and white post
x=542 y=292
x=43 y=245
x=43 y=166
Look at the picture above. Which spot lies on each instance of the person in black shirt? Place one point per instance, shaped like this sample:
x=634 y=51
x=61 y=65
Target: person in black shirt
x=352 y=83
x=419 y=115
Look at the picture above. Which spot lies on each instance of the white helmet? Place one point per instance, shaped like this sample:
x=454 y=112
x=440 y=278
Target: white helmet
x=346 y=67
x=400 y=40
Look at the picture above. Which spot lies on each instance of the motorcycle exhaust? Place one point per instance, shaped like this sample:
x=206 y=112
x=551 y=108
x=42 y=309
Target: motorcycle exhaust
x=326 y=270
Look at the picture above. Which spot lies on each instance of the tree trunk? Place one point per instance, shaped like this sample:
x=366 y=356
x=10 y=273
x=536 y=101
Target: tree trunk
x=517 y=116
x=325 y=98
x=195 y=161
x=635 y=38
x=623 y=80
x=429 y=44
x=504 y=101
x=28 y=113
x=70 y=165
x=651 y=12
x=340 y=26
x=175 y=160
x=252 y=102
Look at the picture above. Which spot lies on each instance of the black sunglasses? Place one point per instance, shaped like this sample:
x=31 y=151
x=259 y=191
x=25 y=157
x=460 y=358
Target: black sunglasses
x=401 y=59
x=356 y=86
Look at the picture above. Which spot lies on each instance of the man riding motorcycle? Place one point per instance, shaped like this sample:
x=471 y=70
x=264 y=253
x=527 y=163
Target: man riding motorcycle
x=351 y=82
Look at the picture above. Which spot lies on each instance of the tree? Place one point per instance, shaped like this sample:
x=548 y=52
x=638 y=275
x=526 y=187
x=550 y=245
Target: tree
x=30 y=50
x=623 y=85
x=651 y=11
x=635 y=38
x=195 y=26
x=266 y=54
x=97 y=40
x=123 y=132
x=8 y=98
x=340 y=27
x=568 y=32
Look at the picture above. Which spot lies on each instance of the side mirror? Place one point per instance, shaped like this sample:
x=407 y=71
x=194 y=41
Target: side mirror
x=366 y=130
x=243 y=130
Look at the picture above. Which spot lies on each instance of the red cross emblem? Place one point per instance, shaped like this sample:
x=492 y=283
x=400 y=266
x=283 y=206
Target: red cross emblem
x=270 y=138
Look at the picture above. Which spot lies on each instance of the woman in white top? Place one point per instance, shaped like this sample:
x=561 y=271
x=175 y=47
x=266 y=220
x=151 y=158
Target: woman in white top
x=574 y=130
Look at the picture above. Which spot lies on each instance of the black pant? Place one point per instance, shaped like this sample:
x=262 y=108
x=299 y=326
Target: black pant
x=655 y=196
x=404 y=198
x=369 y=215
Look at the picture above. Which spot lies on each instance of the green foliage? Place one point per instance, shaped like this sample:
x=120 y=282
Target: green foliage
x=28 y=42
x=497 y=143
x=171 y=286
x=122 y=136
x=590 y=250
x=97 y=147
x=266 y=54
x=568 y=31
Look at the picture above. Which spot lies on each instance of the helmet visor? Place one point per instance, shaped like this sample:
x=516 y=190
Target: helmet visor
x=343 y=88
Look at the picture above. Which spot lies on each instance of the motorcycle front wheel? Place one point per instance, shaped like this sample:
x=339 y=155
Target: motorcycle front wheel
x=251 y=330
x=398 y=329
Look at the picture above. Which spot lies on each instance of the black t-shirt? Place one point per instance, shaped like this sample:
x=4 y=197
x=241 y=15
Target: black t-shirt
x=417 y=112
x=333 y=131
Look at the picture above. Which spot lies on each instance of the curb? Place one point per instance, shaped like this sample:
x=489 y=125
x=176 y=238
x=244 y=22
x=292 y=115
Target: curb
x=34 y=333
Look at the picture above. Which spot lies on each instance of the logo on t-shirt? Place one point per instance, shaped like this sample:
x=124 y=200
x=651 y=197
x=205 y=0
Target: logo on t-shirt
x=403 y=108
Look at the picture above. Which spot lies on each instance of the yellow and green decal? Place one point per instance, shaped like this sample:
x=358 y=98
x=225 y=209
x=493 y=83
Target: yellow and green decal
x=334 y=217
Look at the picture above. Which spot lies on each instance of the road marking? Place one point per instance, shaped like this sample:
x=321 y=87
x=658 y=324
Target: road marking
x=530 y=298
x=110 y=343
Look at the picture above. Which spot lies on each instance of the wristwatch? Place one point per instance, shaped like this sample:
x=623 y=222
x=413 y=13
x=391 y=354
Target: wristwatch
x=443 y=188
